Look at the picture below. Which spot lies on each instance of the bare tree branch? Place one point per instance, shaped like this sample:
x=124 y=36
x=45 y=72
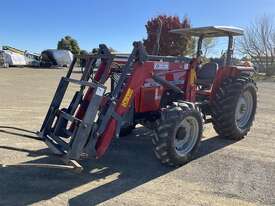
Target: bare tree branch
x=259 y=42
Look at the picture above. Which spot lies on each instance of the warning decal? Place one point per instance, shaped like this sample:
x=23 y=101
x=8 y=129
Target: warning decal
x=127 y=97
x=99 y=91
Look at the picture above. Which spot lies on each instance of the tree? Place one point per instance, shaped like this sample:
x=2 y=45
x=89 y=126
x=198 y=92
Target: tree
x=169 y=43
x=258 y=43
x=68 y=43
x=95 y=50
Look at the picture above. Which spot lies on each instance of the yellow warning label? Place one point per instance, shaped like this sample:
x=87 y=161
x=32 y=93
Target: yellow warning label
x=192 y=77
x=127 y=97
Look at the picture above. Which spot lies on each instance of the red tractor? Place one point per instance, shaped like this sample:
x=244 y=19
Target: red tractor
x=173 y=96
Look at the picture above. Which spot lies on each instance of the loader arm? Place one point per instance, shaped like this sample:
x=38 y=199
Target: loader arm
x=139 y=74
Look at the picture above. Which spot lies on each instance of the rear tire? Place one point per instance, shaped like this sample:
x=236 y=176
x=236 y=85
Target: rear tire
x=177 y=135
x=234 y=107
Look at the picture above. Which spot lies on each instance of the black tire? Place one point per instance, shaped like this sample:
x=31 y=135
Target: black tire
x=225 y=105
x=166 y=133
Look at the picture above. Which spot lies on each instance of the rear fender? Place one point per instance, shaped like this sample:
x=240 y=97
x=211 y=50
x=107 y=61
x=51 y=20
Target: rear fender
x=225 y=72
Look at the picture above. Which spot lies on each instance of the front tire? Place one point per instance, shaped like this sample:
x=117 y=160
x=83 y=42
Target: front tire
x=234 y=107
x=177 y=135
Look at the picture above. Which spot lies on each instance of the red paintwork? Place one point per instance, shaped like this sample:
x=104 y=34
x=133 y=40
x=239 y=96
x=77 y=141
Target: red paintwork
x=148 y=97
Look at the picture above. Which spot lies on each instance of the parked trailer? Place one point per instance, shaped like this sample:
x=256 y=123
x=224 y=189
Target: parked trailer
x=13 y=59
x=16 y=57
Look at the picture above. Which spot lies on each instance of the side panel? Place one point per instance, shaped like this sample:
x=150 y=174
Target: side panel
x=149 y=96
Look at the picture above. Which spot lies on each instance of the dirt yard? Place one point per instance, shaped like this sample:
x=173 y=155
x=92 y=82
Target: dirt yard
x=224 y=172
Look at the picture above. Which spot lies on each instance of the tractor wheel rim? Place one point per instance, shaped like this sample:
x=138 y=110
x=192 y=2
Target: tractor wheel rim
x=244 y=109
x=186 y=135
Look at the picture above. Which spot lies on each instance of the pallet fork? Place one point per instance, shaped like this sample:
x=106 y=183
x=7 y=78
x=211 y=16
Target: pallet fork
x=78 y=130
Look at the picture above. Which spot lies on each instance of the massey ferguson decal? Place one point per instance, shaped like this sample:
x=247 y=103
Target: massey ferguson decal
x=161 y=65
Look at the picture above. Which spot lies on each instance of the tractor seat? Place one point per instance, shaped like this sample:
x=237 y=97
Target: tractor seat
x=206 y=74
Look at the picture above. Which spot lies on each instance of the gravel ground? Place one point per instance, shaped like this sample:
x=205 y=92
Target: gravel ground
x=224 y=172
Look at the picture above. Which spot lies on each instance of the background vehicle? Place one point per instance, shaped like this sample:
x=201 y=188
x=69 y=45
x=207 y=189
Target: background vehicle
x=13 y=56
x=55 y=57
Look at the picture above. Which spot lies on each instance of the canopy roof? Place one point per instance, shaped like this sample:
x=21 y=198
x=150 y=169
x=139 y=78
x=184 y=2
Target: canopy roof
x=211 y=31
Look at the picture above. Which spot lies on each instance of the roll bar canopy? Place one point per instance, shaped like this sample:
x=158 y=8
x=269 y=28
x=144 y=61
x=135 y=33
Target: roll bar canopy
x=211 y=31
